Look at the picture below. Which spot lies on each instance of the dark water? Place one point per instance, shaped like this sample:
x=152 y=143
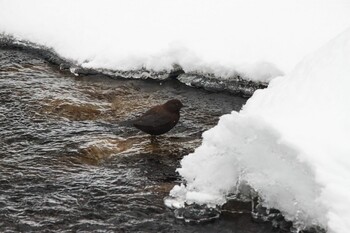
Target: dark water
x=66 y=165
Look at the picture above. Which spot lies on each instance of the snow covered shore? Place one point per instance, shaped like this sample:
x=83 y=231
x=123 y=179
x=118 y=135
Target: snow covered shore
x=289 y=143
x=259 y=40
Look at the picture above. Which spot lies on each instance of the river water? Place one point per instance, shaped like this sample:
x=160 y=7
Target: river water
x=68 y=165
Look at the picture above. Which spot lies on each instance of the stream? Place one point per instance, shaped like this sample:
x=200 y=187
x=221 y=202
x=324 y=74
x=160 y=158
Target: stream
x=68 y=165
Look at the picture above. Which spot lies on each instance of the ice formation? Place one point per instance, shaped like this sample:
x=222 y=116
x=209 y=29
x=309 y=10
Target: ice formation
x=289 y=143
x=261 y=39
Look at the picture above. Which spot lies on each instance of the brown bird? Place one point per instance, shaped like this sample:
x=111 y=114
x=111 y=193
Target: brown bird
x=159 y=119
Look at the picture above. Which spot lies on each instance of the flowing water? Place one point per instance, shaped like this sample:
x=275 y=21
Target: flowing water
x=67 y=164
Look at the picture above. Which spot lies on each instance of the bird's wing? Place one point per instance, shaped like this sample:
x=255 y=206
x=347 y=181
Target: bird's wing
x=151 y=120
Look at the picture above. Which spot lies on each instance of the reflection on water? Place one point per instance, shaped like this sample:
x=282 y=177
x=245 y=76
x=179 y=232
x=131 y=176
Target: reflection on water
x=66 y=164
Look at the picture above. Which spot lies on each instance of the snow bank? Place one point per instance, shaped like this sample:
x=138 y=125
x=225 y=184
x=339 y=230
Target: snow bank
x=258 y=39
x=290 y=143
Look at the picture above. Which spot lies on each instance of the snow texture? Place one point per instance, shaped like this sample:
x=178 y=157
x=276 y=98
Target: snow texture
x=289 y=143
x=259 y=40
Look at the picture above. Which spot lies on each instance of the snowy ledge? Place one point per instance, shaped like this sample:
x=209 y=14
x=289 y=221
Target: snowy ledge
x=234 y=84
x=289 y=143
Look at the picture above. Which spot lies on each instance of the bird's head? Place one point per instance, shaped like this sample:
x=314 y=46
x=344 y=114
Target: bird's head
x=173 y=105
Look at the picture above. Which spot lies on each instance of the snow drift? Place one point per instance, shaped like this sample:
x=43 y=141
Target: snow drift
x=258 y=39
x=289 y=143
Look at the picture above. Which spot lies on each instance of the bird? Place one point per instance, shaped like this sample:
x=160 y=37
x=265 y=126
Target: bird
x=159 y=119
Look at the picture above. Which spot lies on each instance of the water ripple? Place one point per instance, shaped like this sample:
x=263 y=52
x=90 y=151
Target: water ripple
x=66 y=164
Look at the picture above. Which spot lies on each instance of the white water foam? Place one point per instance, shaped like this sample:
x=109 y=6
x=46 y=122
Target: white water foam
x=289 y=143
x=258 y=39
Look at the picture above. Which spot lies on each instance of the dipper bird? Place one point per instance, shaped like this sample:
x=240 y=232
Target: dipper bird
x=159 y=119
